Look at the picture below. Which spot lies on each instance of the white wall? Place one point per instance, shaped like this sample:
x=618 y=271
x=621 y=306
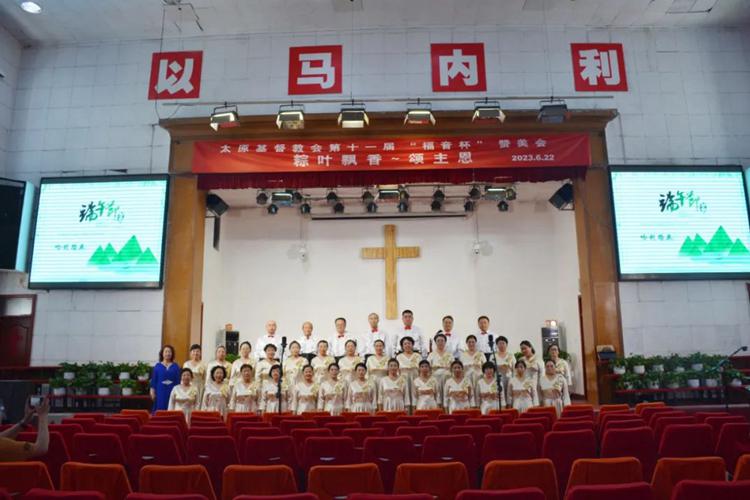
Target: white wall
x=83 y=109
x=10 y=60
x=528 y=272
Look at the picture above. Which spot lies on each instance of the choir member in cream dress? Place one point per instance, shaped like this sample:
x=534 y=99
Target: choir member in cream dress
x=522 y=393
x=553 y=388
x=408 y=362
x=294 y=363
x=458 y=393
x=349 y=361
x=322 y=361
x=263 y=367
x=440 y=361
x=361 y=395
x=305 y=393
x=216 y=394
x=221 y=360
x=244 y=397
x=332 y=392
x=198 y=367
x=244 y=359
x=184 y=397
x=377 y=364
x=534 y=365
x=505 y=361
x=426 y=391
x=392 y=394
x=486 y=390
x=472 y=359
x=561 y=366
x=269 y=393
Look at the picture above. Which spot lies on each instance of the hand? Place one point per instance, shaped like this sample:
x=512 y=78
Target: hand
x=43 y=409
x=28 y=413
x=152 y=393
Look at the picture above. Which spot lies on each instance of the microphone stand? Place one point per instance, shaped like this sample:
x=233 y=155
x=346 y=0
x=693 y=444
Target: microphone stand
x=281 y=372
x=498 y=376
x=724 y=382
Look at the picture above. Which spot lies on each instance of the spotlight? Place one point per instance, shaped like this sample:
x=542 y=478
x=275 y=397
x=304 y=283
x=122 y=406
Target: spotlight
x=353 y=116
x=419 y=113
x=488 y=110
x=563 y=197
x=305 y=208
x=282 y=198
x=469 y=206
x=495 y=193
x=367 y=197
x=273 y=209
x=475 y=193
x=31 y=7
x=291 y=117
x=338 y=208
x=510 y=194
x=553 y=111
x=297 y=197
x=403 y=194
x=389 y=193
x=262 y=198
x=332 y=197
x=503 y=206
x=225 y=117
x=435 y=206
x=372 y=207
x=438 y=195
x=403 y=206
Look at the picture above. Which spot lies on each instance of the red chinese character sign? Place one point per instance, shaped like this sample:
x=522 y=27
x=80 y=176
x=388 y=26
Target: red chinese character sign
x=315 y=70
x=458 y=67
x=599 y=67
x=382 y=154
x=175 y=75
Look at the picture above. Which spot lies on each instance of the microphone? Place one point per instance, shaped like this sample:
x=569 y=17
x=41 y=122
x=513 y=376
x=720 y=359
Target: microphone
x=283 y=341
x=490 y=340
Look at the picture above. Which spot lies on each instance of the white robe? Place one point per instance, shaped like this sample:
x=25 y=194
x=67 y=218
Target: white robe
x=368 y=342
x=261 y=343
x=392 y=394
x=320 y=367
x=307 y=345
x=210 y=366
x=184 y=399
x=472 y=364
x=269 y=397
x=347 y=366
x=235 y=375
x=305 y=397
x=486 y=394
x=441 y=368
x=420 y=345
x=427 y=393
x=331 y=396
x=459 y=395
x=293 y=369
x=244 y=397
x=216 y=398
x=263 y=369
x=361 y=397
x=554 y=392
x=522 y=393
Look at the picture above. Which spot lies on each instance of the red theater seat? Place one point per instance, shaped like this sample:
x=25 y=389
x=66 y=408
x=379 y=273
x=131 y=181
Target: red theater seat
x=176 y=480
x=564 y=448
x=109 y=479
x=452 y=448
x=443 y=481
x=98 y=449
x=536 y=429
x=702 y=490
x=734 y=439
x=638 y=443
x=514 y=494
x=57 y=453
x=691 y=440
x=19 y=477
x=632 y=491
x=274 y=450
x=257 y=480
x=42 y=494
x=388 y=453
x=331 y=482
x=509 y=446
x=215 y=453
x=328 y=451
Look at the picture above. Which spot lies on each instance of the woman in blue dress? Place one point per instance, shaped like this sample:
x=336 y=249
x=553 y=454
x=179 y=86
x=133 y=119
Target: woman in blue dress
x=165 y=377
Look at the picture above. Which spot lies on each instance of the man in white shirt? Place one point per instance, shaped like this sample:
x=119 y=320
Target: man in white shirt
x=308 y=343
x=408 y=329
x=269 y=338
x=367 y=341
x=454 y=342
x=338 y=342
x=483 y=343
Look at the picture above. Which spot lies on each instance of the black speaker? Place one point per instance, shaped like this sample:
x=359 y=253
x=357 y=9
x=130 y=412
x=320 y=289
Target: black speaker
x=232 y=341
x=11 y=211
x=562 y=197
x=216 y=205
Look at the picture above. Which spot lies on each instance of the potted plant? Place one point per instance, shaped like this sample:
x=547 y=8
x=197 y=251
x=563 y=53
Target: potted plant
x=68 y=370
x=123 y=371
x=128 y=386
x=693 y=378
x=733 y=375
x=637 y=364
x=142 y=371
x=673 y=380
x=653 y=380
x=103 y=386
x=619 y=366
x=656 y=363
x=58 y=386
x=712 y=377
x=83 y=385
x=630 y=381
x=232 y=358
x=696 y=361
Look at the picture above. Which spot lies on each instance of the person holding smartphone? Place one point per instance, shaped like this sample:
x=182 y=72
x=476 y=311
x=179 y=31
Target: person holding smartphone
x=12 y=450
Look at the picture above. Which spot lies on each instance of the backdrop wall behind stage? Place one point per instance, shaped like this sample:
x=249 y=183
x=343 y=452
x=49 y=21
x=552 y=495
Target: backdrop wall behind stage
x=527 y=272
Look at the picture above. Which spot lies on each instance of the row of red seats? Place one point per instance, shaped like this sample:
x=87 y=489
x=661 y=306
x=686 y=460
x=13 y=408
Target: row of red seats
x=610 y=479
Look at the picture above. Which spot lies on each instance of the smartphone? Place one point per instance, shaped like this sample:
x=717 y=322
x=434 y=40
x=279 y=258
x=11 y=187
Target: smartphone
x=35 y=401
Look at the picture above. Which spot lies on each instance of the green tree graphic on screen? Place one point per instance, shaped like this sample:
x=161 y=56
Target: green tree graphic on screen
x=129 y=257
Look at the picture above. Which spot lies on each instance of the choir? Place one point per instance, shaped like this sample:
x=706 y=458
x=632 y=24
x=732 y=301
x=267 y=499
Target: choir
x=403 y=372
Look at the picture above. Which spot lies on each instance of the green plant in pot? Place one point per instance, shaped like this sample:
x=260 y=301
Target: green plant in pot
x=733 y=375
x=693 y=378
x=83 y=385
x=128 y=386
x=142 y=371
x=673 y=380
x=675 y=363
x=696 y=361
x=653 y=379
x=103 y=386
x=712 y=376
x=619 y=366
x=656 y=363
x=123 y=371
x=637 y=364
x=630 y=381
x=58 y=385
x=69 y=370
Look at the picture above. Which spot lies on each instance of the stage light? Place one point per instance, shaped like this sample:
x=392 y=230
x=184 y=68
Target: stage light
x=338 y=208
x=353 y=116
x=563 y=197
x=495 y=193
x=262 y=198
x=488 y=110
x=372 y=207
x=291 y=117
x=367 y=197
x=31 y=7
x=389 y=193
x=273 y=209
x=225 y=117
x=475 y=193
x=438 y=195
x=436 y=206
x=403 y=206
x=553 y=111
x=510 y=194
x=419 y=113
x=305 y=208
x=503 y=206
x=282 y=198
x=297 y=197
x=332 y=197
x=469 y=206
x=403 y=194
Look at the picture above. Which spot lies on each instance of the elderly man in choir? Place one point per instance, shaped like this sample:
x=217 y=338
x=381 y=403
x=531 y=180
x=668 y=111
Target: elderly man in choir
x=453 y=341
x=269 y=338
x=367 y=341
x=483 y=344
x=408 y=329
x=342 y=335
x=307 y=341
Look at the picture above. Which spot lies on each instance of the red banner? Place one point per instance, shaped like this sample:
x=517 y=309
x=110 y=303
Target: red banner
x=384 y=154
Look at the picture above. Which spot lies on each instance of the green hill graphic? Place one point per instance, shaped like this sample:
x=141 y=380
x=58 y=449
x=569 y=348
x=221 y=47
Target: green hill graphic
x=130 y=252
x=720 y=248
x=147 y=258
x=720 y=242
x=738 y=249
x=110 y=251
x=99 y=257
x=699 y=243
x=129 y=255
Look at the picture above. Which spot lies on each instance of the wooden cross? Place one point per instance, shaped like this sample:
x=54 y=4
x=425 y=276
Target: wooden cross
x=390 y=253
